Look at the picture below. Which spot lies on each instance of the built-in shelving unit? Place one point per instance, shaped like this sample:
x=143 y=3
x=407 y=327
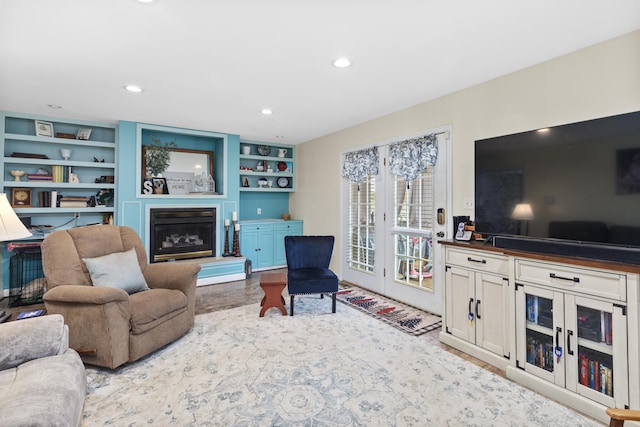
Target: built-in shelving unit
x=89 y=170
x=266 y=167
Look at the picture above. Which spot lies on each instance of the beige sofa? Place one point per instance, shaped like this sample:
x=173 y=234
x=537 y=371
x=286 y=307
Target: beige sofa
x=42 y=380
x=111 y=324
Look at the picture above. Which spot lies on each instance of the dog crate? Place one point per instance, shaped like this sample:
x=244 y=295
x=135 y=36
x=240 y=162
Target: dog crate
x=27 y=284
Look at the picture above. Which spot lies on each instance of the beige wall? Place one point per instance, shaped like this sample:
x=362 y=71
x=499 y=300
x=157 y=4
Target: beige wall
x=595 y=82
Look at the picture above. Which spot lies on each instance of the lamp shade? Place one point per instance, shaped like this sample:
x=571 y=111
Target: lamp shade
x=522 y=211
x=10 y=225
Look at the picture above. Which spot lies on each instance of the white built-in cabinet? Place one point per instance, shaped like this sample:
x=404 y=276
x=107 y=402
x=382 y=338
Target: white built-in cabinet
x=571 y=329
x=477 y=299
x=567 y=328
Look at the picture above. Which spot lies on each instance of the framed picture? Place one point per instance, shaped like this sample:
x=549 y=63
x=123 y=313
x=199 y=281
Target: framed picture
x=245 y=182
x=21 y=197
x=44 y=128
x=160 y=186
x=83 y=133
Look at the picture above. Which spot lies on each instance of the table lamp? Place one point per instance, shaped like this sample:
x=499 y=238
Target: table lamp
x=10 y=225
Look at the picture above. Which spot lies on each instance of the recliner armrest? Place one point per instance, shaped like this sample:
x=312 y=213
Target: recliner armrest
x=171 y=275
x=85 y=294
x=30 y=339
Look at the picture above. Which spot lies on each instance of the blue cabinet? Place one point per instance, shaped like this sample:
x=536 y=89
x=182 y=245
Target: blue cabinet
x=286 y=228
x=263 y=241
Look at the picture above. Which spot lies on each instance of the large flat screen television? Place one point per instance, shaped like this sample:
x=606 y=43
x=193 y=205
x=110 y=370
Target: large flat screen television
x=570 y=186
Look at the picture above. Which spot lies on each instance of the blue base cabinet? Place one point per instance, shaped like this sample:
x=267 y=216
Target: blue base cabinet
x=263 y=241
x=286 y=228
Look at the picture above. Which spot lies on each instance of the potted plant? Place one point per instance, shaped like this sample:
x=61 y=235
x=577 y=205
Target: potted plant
x=157 y=156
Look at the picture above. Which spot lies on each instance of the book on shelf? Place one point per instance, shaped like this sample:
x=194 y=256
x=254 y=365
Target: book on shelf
x=60 y=173
x=39 y=177
x=74 y=198
x=532 y=308
x=73 y=202
x=64 y=204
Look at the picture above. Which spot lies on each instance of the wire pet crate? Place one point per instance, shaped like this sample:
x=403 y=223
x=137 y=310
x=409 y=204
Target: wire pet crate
x=27 y=283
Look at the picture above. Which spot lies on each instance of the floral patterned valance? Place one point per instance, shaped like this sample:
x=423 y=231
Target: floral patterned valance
x=409 y=158
x=359 y=164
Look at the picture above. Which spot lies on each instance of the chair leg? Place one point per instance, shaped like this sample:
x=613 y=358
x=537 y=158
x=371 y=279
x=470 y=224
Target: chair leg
x=291 y=305
x=333 y=303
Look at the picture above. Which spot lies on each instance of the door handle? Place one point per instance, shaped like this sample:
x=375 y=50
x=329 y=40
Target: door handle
x=570 y=334
x=477 y=312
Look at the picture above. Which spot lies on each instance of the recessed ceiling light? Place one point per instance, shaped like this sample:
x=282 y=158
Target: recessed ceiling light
x=342 y=63
x=133 y=88
x=266 y=111
x=54 y=106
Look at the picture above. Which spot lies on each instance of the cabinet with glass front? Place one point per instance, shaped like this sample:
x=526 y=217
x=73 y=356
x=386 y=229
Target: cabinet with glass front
x=569 y=335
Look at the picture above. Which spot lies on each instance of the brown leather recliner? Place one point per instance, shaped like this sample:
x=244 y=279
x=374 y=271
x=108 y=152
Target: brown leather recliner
x=107 y=326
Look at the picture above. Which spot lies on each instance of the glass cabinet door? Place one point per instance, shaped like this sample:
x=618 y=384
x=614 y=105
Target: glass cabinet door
x=541 y=337
x=596 y=345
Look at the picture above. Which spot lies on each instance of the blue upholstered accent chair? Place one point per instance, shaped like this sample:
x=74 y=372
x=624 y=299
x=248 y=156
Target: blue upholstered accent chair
x=308 y=260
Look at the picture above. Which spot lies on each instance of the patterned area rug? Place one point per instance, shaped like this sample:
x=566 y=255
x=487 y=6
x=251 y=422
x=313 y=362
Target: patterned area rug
x=313 y=369
x=402 y=316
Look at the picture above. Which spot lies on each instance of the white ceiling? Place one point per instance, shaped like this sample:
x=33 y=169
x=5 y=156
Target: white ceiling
x=213 y=64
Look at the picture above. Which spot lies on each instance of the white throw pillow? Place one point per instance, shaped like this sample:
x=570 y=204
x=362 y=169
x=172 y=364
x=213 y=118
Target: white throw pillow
x=117 y=270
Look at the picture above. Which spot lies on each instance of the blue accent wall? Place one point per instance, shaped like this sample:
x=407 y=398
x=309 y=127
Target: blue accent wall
x=272 y=204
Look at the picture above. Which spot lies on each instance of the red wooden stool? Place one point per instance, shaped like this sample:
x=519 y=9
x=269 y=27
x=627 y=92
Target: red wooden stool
x=273 y=284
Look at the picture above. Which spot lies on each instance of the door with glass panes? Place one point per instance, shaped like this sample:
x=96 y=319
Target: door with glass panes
x=391 y=229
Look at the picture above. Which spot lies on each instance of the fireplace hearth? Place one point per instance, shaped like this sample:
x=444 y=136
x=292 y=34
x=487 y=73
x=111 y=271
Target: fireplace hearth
x=181 y=233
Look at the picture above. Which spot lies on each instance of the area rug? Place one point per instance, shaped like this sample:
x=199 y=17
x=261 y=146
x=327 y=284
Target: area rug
x=402 y=316
x=313 y=369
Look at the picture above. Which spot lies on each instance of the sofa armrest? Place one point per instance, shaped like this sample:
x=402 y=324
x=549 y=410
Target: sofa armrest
x=30 y=339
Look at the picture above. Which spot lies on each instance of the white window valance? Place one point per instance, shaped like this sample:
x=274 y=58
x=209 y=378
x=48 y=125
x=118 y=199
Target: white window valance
x=410 y=157
x=359 y=164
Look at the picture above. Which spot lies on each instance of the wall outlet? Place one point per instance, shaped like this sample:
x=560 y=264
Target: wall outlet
x=259 y=211
x=468 y=203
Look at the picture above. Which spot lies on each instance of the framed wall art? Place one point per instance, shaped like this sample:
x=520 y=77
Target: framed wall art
x=44 y=128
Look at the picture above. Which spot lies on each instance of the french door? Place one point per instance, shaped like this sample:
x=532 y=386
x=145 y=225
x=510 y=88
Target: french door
x=390 y=230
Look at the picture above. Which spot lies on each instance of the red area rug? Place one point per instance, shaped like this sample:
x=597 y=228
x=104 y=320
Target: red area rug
x=402 y=316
